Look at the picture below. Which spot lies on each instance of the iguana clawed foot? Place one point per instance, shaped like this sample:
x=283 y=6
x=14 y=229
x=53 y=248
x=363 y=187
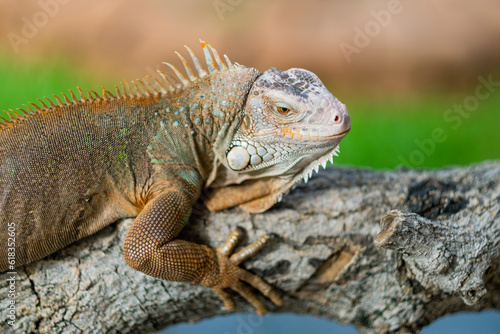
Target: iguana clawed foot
x=232 y=275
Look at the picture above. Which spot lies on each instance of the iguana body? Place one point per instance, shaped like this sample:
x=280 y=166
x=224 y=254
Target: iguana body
x=68 y=170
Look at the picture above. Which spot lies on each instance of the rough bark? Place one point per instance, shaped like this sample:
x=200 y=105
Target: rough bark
x=333 y=256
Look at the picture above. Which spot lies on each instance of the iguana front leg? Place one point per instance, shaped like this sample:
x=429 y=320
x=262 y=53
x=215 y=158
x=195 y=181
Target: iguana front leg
x=150 y=247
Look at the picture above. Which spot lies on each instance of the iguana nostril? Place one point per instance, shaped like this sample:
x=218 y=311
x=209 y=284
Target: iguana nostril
x=336 y=119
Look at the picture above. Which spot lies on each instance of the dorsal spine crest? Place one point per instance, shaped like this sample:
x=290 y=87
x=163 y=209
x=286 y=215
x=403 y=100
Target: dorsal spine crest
x=150 y=86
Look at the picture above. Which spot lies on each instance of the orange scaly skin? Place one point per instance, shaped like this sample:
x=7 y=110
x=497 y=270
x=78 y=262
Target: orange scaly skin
x=68 y=170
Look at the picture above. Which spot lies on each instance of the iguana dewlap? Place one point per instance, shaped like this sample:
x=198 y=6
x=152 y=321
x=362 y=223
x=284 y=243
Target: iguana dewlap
x=69 y=169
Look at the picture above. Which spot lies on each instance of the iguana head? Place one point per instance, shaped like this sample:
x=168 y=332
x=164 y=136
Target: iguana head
x=290 y=120
x=290 y=125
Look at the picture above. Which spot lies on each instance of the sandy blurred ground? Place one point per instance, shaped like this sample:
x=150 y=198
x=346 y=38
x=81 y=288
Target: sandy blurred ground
x=380 y=47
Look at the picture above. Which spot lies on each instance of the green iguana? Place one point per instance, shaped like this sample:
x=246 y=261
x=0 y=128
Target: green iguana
x=69 y=169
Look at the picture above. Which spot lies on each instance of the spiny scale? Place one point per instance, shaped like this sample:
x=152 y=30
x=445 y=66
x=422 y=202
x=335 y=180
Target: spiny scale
x=149 y=86
x=322 y=162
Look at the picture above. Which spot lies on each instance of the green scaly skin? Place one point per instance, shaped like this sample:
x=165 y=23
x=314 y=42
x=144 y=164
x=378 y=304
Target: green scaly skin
x=68 y=170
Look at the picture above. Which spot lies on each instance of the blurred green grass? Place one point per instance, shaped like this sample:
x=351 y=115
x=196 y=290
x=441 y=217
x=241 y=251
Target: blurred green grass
x=383 y=132
x=24 y=81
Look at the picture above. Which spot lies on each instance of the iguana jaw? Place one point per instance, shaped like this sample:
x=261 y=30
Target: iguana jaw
x=257 y=194
x=282 y=185
x=313 y=140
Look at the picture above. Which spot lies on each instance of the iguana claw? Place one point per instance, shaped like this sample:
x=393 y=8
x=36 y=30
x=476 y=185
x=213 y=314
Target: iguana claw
x=232 y=276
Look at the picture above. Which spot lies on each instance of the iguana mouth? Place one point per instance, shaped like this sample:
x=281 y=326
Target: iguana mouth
x=339 y=135
x=334 y=129
x=295 y=133
x=247 y=155
x=295 y=136
x=291 y=133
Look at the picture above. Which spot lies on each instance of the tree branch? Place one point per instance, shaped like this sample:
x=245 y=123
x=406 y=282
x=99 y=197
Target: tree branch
x=334 y=257
x=442 y=255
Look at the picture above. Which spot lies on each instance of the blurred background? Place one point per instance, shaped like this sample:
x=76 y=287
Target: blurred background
x=421 y=79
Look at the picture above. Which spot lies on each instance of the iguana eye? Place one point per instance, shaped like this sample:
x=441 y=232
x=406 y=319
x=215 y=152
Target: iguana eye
x=283 y=110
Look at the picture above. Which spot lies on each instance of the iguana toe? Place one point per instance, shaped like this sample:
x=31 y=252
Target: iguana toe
x=234 y=277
